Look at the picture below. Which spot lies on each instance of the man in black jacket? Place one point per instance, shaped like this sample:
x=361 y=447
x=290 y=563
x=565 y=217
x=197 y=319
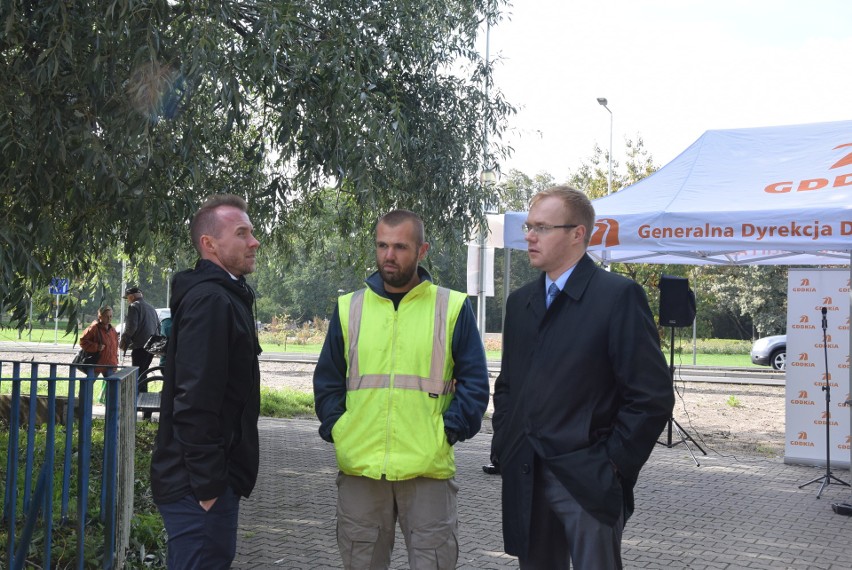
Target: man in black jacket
x=206 y=455
x=141 y=322
x=583 y=393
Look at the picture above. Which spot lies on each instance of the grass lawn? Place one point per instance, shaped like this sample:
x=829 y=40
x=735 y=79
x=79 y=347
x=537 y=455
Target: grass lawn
x=40 y=335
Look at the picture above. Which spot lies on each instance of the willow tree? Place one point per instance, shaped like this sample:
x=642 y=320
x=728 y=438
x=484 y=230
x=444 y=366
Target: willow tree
x=117 y=117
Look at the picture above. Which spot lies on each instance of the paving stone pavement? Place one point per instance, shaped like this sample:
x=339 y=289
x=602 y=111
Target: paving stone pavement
x=728 y=513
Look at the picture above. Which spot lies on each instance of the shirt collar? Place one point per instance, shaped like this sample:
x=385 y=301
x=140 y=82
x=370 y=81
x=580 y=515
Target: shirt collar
x=560 y=281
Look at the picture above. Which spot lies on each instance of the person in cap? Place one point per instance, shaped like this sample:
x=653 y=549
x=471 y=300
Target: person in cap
x=141 y=322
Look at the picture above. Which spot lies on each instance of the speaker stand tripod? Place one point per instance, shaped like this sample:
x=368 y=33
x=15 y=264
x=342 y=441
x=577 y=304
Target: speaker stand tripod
x=672 y=423
x=828 y=477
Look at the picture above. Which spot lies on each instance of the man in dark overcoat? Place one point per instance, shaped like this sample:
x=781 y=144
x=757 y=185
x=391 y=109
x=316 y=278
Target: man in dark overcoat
x=583 y=393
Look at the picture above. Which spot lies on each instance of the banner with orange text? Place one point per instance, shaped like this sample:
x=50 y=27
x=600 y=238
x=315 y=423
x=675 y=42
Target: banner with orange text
x=818 y=366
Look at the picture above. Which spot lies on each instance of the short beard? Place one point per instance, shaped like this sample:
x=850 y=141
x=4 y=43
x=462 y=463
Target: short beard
x=398 y=280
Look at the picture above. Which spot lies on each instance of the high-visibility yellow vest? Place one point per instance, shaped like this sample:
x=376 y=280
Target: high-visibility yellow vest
x=399 y=383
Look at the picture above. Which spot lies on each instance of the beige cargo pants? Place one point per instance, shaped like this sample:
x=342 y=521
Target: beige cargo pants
x=367 y=511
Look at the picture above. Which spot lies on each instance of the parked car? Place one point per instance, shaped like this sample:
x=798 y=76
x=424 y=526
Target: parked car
x=770 y=351
x=162 y=314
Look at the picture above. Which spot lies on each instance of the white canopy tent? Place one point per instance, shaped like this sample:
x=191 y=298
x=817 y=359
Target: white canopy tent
x=766 y=196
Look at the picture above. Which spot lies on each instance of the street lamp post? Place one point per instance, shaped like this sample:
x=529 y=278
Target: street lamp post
x=603 y=103
x=486 y=180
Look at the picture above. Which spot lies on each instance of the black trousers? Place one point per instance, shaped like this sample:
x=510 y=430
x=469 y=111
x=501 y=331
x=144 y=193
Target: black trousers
x=141 y=359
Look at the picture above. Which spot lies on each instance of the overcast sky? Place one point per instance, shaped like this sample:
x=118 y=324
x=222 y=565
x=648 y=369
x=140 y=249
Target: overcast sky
x=671 y=70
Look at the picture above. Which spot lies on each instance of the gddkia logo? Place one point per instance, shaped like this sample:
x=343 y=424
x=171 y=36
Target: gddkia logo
x=804 y=287
x=828 y=343
x=825 y=380
x=828 y=304
x=802 y=440
x=825 y=418
x=819 y=182
x=802 y=399
x=803 y=361
x=804 y=324
x=606 y=233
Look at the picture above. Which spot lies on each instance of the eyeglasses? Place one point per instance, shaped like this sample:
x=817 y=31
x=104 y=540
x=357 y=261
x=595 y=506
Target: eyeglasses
x=541 y=229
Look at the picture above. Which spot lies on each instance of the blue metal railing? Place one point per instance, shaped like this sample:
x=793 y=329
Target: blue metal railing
x=24 y=452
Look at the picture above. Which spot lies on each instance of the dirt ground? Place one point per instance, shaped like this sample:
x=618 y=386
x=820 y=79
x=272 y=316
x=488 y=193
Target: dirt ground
x=727 y=418
x=733 y=418
x=723 y=418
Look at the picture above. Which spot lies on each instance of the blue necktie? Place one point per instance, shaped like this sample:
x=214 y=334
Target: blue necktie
x=552 y=292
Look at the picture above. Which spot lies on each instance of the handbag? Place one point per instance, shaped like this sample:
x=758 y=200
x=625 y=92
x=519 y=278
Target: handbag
x=156 y=344
x=84 y=357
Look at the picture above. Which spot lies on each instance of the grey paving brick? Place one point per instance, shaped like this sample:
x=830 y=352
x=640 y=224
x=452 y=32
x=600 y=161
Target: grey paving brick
x=729 y=513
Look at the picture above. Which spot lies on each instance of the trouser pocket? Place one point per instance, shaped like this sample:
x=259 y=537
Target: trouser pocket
x=435 y=548
x=361 y=547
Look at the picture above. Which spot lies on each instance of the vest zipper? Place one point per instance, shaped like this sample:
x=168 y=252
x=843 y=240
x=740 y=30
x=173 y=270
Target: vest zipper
x=390 y=391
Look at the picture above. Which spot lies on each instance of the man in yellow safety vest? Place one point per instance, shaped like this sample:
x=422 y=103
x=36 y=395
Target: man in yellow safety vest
x=401 y=378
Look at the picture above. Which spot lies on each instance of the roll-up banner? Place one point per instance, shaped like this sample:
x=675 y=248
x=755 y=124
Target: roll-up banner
x=815 y=361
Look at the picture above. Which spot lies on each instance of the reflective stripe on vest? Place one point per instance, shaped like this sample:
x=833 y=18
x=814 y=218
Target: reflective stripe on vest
x=434 y=384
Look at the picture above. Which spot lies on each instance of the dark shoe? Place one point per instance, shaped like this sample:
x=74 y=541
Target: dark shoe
x=491 y=469
x=842 y=508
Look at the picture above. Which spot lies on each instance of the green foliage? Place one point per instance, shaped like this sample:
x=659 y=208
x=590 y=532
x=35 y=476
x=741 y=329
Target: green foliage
x=760 y=292
x=517 y=189
x=64 y=544
x=147 y=534
x=723 y=346
x=734 y=402
x=114 y=128
x=591 y=176
x=285 y=333
x=305 y=279
x=684 y=344
x=148 y=541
